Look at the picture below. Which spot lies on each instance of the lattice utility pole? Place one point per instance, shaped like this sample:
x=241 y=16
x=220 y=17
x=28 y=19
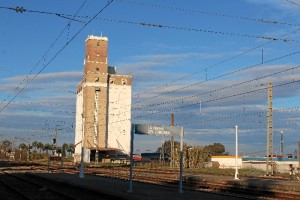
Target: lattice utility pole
x=269 y=156
x=172 y=163
x=54 y=142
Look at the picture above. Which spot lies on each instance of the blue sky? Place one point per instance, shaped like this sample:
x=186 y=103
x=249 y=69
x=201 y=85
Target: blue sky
x=208 y=62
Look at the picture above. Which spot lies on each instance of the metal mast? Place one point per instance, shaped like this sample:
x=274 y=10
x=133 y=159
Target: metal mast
x=281 y=142
x=172 y=144
x=269 y=156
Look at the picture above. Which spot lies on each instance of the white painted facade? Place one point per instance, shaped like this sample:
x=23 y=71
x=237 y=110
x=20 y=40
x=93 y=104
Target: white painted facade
x=78 y=128
x=119 y=117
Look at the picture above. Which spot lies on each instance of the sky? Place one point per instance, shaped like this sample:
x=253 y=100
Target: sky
x=207 y=62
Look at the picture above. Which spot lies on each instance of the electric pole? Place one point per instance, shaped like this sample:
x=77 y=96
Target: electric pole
x=172 y=144
x=54 y=142
x=281 y=142
x=269 y=156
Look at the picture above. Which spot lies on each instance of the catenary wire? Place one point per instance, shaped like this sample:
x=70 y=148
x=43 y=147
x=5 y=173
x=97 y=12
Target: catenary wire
x=27 y=78
x=71 y=39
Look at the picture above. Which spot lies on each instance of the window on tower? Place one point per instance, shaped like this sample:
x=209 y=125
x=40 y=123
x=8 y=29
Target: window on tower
x=124 y=81
x=111 y=81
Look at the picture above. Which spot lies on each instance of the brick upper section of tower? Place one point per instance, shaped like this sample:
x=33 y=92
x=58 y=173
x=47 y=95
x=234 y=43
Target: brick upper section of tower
x=96 y=58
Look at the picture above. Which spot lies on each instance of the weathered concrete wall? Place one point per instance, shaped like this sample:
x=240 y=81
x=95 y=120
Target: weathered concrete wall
x=119 y=113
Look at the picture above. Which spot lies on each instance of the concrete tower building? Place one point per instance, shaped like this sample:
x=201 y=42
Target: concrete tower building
x=103 y=107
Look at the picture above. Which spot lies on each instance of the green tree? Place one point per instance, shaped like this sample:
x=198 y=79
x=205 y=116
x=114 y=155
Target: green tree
x=167 y=147
x=64 y=149
x=23 y=146
x=34 y=144
x=6 y=146
x=40 y=146
x=71 y=149
x=58 y=150
x=195 y=157
x=47 y=147
x=215 y=149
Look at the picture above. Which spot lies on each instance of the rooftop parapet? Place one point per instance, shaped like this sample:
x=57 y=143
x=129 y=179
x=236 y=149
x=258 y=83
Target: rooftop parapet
x=93 y=37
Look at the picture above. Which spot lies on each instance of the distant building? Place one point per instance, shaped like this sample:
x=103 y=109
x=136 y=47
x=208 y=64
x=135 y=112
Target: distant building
x=280 y=164
x=226 y=161
x=103 y=106
x=259 y=163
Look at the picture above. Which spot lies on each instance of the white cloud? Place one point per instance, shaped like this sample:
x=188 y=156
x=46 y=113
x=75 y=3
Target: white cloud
x=60 y=81
x=161 y=61
x=283 y=5
x=49 y=96
x=47 y=77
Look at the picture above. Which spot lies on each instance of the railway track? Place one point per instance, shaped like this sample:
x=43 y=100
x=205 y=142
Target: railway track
x=170 y=178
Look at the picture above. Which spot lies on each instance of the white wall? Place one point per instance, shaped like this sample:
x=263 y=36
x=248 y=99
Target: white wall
x=280 y=166
x=119 y=117
x=227 y=161
x=283 y=167
x=78 y=128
